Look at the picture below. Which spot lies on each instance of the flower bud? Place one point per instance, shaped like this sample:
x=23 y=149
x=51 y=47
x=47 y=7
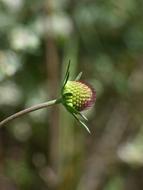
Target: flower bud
x=78 y=95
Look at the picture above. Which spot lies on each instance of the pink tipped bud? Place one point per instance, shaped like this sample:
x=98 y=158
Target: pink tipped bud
x=78 y=95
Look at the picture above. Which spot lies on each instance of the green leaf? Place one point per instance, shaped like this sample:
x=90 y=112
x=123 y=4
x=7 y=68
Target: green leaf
x=78 y=76
x=82 y=124
x=66 y=75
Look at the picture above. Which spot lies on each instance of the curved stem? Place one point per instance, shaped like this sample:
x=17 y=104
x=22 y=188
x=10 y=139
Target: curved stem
x=28 y=110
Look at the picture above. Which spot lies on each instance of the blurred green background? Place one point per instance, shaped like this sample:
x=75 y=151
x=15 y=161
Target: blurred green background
x=47 y=149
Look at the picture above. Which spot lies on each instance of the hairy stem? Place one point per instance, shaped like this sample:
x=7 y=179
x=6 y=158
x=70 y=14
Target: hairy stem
x=28 y=110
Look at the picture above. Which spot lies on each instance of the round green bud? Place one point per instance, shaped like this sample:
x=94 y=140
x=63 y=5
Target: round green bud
x=78 y=95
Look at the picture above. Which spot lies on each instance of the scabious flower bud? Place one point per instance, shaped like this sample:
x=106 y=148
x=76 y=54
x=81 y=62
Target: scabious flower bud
x=78 y=95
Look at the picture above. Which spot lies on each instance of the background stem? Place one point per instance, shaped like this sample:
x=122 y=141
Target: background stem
x=28 y=110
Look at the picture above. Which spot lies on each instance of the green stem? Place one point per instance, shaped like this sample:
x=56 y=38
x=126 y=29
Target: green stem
x=28 y=110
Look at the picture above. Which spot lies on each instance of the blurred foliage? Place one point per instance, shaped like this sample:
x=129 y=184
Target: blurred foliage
x=47 y=149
